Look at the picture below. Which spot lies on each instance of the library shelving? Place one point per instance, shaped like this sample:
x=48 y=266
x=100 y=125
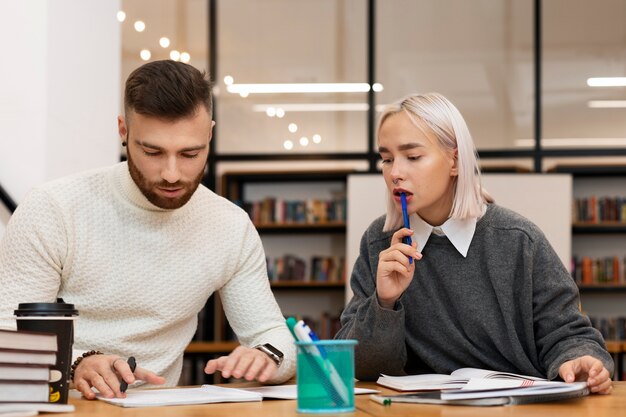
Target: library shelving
x=599 y=249
x=301 y=218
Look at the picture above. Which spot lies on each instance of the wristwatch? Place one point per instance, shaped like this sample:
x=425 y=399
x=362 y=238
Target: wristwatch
x=274 y=354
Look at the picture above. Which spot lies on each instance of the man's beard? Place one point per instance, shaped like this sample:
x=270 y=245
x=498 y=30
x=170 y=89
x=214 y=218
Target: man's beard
x=147 y=188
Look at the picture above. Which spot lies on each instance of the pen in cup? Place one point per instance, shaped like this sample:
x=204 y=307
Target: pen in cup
x=320 y=361
x=407 y=224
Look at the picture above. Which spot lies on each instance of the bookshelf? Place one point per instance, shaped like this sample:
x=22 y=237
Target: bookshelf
x=599 y=249
x=301 y=218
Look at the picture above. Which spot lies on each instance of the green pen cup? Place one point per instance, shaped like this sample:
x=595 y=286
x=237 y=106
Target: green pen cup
x=325 y=376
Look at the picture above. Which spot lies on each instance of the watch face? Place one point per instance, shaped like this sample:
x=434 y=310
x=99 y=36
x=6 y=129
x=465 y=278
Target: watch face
x=274 y=354
x=273 y=350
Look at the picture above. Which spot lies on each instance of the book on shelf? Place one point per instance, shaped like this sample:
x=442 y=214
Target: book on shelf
x=611 y=328
x=272 y=210
x=27 y=357
x=293 y=268
x=27 y=340
x=607 y=270
x=24 y=391
x=599 y=209
x=326 y=325
x=456 y=379
x=328 y=269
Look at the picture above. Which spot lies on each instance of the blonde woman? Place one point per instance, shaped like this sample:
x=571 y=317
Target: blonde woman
x=480 y=286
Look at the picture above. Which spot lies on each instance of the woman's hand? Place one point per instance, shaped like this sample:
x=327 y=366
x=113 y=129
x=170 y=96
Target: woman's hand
x=394 y=272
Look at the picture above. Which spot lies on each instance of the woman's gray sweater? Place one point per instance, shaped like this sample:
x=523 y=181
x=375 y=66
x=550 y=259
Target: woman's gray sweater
x=510 y=305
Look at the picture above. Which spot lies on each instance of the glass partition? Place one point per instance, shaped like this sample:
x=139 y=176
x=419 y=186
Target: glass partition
x=584 y=48
x=292 y=76
x=479 y=54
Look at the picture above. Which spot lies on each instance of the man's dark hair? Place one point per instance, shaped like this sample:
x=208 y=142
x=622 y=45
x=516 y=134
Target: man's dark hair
x=167 y=90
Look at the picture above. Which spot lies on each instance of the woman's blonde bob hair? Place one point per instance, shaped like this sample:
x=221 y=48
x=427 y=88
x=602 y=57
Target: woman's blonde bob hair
x=439 y=115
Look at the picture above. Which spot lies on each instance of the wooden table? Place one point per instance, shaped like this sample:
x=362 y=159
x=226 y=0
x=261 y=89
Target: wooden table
x=593 y=406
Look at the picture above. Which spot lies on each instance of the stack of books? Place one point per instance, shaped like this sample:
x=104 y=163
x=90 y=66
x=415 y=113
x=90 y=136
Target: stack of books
x=25 y=361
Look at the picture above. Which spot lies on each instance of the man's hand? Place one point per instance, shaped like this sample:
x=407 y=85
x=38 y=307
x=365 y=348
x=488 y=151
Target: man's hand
x=590 y=369
x=104 y=372
x=245 y=363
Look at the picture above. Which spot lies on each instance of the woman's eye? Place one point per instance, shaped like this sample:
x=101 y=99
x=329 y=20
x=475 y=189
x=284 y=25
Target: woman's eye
x=190 y=155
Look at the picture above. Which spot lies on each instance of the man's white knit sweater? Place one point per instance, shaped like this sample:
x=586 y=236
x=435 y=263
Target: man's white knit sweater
x=139 y=274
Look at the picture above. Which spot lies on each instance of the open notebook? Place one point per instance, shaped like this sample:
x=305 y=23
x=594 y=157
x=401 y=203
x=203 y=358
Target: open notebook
x=455 y=380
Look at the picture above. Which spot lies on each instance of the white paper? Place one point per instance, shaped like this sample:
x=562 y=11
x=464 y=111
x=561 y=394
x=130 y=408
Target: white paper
x=290 y=392
x=542 y=388
x=182 y=396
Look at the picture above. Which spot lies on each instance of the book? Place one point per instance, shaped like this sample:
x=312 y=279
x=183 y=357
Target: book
x=27 y=340
x=182 y=396
x=6 y=408
x=455 y=380
x=24 y=391
x=484 y=388
x=23 y=372
x=493 y=398
x=27 y=357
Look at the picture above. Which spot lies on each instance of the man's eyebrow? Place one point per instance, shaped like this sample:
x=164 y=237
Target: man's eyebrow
x=403 y=147
x=158 y=148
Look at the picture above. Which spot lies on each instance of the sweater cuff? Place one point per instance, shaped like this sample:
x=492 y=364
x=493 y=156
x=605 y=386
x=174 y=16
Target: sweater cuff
x=577 y=352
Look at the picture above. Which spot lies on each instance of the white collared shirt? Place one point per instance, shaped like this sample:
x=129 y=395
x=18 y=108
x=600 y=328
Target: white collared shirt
x=459 y=232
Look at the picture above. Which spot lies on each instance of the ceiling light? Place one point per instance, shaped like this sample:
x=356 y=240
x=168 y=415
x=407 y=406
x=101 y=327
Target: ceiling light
x=288 y=144
x=573 y=142
x=280 y=113
x=185 y=57
x=270 y=111
x=606 y=82
x=306 y=107
x=317 y=138
x=174 y=55
x=378 y=87
x=140 y=26
x=606 y=104
x=164 y=42
x=145 y=54
x=293 y=128
x=304 y=141
x=121 y=16
x=300 y=88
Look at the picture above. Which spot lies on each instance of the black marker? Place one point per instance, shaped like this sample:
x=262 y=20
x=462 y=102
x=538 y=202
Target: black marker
x=133 y=364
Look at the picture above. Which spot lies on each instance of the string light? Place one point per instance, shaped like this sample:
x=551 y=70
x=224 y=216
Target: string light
x=140 y=26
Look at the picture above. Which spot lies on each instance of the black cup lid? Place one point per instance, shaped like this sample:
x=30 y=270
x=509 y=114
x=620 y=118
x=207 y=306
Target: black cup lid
x=46 y=309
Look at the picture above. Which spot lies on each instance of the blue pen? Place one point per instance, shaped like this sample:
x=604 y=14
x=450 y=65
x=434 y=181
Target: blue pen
x=407 y=224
